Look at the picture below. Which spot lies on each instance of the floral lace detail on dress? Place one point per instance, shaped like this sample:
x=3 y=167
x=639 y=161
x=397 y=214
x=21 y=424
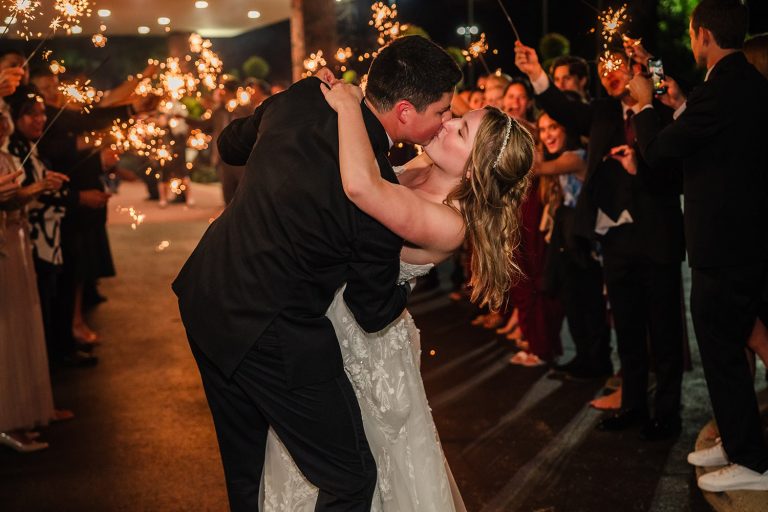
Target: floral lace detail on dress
x=383 y=368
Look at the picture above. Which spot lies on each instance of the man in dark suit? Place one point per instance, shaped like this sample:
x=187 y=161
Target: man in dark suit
x=639 y=223
x=720 y=137
x=254 y=293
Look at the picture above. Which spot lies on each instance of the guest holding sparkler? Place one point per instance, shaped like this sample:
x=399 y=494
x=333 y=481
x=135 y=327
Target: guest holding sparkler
x=639 y=223
x=719 y=136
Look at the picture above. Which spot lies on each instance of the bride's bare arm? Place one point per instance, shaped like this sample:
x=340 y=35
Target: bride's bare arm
x=432 y=226
x=419 y=256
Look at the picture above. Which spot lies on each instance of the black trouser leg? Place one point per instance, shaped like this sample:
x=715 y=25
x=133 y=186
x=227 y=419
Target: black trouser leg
x=665 y=327
x=319 y=424
x=585 y=311
x=628 y=304
x=725 y=303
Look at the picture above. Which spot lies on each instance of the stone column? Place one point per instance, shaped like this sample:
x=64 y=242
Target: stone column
x=313 y=27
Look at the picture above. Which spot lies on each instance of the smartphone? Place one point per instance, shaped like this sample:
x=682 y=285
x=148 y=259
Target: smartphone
x=656 y=69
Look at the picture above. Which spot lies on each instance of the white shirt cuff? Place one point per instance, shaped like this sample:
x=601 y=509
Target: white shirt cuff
x=679 y=111
x=541 y=84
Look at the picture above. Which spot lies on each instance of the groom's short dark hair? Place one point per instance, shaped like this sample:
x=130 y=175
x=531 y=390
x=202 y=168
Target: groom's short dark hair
x=410 y=68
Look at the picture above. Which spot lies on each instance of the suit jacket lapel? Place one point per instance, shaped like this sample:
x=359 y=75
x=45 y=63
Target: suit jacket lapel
x=379 y=142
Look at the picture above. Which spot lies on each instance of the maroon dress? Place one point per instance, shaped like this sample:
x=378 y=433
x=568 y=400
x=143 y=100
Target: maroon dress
x=540 y=315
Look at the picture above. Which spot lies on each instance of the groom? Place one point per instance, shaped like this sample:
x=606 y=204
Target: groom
x=254 y=293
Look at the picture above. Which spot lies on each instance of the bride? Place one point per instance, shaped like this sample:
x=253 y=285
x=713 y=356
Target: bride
x=469 y=182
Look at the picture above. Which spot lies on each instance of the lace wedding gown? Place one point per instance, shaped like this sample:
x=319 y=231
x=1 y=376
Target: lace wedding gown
x=383 y=367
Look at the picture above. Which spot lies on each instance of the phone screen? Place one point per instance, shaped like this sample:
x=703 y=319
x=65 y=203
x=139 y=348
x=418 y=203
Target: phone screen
x=656 y=68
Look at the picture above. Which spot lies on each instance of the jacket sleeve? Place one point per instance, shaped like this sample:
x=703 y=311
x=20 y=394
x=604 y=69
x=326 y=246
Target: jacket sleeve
x=236 y=140
x=372 y=294
x=574 y=115
x=698 y=124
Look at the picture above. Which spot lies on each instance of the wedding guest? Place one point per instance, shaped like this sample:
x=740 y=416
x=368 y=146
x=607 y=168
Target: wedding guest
x=225 y=112
x=639 y=225
x=495 y=85
x=26 y=399
x=719 y=137
x=571 y=73
x=756 y=52
x=571 y=271
x=518 y=102
x=476 y=99
x=45 y=214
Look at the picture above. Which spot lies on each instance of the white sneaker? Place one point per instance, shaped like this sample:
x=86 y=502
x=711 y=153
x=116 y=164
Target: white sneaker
x=732 y=478
x=714 y=456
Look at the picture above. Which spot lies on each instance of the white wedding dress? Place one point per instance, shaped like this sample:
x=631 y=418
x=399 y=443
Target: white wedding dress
x=383 y=367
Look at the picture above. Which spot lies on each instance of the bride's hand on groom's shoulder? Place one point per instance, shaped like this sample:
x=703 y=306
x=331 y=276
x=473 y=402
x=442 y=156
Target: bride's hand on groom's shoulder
x=341 y=94
x=327 y=76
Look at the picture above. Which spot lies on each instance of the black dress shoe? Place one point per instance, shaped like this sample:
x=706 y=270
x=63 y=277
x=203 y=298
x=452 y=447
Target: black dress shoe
x=566 y=367
x=589 y=373
x=623 y=420
x=660 y=430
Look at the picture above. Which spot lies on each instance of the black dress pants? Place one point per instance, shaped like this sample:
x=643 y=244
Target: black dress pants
x=319 y=424
x=585 y=310
x=725 y=302
x=645 y=300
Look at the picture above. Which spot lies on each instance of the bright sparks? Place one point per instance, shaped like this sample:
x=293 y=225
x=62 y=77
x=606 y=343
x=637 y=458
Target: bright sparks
x=23 y=12
x=612 y=21
x=198 y=140
x=72 y=11
x=476 y=49
x=314 y=63
x=81 y=94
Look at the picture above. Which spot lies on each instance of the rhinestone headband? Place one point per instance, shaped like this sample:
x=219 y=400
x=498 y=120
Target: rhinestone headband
x=507 y=133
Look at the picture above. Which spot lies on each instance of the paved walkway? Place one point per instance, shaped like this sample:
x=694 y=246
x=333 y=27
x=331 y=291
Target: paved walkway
x=143 y=438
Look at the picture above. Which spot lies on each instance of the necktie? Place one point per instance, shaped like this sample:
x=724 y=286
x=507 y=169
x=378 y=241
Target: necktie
x=629 y=131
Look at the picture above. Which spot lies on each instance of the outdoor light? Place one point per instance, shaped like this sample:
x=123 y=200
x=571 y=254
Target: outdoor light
x=10 y=20
x=254 y=14
x=143 y=30
x=104 y=13
x=77 y=29
x=467 y=30
x=163 y=20
x=201 y=4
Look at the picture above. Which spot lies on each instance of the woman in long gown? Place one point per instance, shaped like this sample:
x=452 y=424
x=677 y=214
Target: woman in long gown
x=469 y=183
x=26 y=400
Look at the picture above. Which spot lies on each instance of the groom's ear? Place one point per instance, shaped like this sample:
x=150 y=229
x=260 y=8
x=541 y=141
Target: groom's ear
x=404 y=110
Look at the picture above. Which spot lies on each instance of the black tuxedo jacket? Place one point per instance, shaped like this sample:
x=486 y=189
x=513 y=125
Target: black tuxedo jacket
x=288 y=240
x=721 y=139
x=652 y=198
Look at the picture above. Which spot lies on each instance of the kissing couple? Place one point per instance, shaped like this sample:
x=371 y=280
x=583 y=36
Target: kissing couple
x=294 y=299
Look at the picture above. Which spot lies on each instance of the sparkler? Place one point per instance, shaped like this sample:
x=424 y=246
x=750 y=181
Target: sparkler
x=610 y=62
x=80 y=94
x=509 y=19
x=384 y=20
x=343 y=54
x=72 y=11
x=476 y=51
x=198 y=140
x=612 y=21
x=314 y=63
x=22 y=12
x=137 y=218
x=99 y=40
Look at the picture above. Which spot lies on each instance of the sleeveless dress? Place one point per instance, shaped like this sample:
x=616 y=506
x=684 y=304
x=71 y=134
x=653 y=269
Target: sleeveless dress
x=383 y=367
x=26 y=399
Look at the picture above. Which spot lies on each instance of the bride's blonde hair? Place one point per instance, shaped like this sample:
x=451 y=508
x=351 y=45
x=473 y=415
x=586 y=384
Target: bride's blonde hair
x=494 y=185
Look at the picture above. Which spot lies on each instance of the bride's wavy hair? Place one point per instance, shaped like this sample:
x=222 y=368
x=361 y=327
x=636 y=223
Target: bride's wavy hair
x=493 y=187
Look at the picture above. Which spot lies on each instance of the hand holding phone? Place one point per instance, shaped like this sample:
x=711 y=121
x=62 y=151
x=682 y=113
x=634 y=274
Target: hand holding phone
x=656 y=69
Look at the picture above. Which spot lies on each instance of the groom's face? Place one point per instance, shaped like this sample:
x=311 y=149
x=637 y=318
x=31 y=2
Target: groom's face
x=421 y=127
